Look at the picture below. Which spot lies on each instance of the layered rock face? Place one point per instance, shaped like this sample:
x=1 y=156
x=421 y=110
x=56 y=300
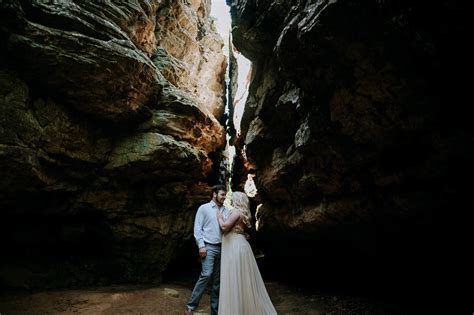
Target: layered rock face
x=109 y=138
x=342 y=129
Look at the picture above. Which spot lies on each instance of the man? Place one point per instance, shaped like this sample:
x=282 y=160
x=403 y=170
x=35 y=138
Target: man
x=208 y=237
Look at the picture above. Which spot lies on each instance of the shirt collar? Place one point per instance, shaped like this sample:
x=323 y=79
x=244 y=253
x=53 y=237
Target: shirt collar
x=214 y=205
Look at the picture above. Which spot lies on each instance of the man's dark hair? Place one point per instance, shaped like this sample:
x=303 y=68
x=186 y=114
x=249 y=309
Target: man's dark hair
x=216 y=188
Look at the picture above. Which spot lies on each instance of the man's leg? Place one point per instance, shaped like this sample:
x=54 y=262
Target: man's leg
x=207 y=264
x=216 y=280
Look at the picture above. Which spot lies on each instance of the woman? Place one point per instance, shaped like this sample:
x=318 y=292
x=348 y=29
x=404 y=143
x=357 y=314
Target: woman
x=242 y=291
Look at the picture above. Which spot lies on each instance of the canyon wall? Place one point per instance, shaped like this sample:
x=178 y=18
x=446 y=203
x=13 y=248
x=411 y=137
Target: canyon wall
x=109 y=139
x=342 y=129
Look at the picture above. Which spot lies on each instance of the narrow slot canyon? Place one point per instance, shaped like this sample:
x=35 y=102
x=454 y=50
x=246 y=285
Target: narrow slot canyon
x=117 y=117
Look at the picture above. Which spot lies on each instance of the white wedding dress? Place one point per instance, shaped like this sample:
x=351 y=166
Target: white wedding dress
x=242 y=291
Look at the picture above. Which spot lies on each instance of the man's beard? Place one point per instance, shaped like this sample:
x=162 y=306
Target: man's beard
x=219 y=201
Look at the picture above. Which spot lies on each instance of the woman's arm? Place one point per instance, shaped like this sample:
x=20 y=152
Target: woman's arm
x=228 y=224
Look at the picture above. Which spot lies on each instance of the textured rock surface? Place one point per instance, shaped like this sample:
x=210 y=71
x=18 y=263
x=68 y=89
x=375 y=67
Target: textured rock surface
x=90 y=47
x=190 y=58
x=342 y=126
x=104 y=157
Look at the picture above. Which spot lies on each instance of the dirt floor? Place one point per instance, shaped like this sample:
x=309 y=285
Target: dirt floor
x=170 y=298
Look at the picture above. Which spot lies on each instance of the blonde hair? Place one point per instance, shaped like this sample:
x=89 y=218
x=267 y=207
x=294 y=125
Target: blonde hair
x=241 y=202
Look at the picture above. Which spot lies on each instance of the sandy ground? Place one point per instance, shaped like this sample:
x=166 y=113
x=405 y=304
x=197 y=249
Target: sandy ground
x=170 y=298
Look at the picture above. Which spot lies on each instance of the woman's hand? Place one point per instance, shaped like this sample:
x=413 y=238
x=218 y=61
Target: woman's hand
x=229 y=222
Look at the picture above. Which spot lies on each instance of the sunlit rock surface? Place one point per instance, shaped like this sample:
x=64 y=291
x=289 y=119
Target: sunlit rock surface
x=109 y=137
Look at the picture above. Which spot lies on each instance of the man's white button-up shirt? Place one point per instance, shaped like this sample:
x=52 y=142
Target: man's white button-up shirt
x=206 y=226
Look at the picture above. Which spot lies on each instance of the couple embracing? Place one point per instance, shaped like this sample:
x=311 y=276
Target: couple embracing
x=227 y=259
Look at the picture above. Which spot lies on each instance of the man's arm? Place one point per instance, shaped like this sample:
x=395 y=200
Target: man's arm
x=198 y=224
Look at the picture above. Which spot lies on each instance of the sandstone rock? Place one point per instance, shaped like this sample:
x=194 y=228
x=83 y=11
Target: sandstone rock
x=86 y=53
x=342 y=116
x=105 y=159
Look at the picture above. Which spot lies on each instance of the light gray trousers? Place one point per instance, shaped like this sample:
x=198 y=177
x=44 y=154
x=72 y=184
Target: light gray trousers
x=211 y=271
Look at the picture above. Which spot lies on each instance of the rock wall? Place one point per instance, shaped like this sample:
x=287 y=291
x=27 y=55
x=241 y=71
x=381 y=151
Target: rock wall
x=109 y=137
x=342 y=127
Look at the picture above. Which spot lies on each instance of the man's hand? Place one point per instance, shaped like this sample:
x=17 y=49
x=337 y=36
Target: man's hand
x=202 y=252
x=247 y=236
